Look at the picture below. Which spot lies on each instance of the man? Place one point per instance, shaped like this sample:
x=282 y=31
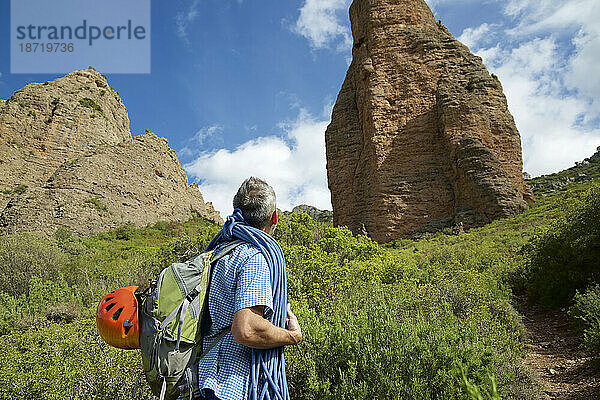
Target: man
x=241 y=296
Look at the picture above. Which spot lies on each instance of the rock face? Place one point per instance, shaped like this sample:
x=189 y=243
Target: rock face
x=421 y=137
x=67 y=159
x=313 y=212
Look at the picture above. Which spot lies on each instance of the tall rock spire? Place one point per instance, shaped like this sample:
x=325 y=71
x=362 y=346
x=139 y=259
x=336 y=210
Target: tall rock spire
x=421 y=137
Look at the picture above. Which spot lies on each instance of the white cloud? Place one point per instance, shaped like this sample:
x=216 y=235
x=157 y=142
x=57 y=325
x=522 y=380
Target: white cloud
x=574 y=22
x=186 y=153
x=433 y=4
x=545 y=114
x=293 y=164
x=207 y=137
x=472 y=37
x=582 y=74
x=321 y=22
x=207 y=132
x=546 y=57
x=184 y=19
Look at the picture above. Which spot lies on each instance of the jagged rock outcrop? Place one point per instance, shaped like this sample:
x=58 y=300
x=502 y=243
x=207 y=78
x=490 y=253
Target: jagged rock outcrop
x=594 y=158
x=421 y=137
x=312 y=211
x=582 y=171
x=67 y=159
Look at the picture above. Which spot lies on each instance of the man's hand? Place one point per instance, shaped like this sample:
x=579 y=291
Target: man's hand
x=293 y=326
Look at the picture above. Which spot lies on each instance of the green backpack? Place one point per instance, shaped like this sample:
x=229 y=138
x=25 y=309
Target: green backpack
x=171 y=324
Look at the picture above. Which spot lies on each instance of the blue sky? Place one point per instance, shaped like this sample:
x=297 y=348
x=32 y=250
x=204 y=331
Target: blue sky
x=245 y=87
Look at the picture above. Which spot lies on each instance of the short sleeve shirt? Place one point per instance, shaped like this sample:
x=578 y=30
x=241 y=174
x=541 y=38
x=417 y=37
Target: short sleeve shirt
x=240 y=279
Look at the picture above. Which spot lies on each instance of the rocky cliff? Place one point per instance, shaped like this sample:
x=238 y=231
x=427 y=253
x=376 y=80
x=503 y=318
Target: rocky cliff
x=67 y=159
x=313 y=212
x=421 y=137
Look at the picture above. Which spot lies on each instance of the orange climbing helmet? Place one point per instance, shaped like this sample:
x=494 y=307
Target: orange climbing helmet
x=117 y=318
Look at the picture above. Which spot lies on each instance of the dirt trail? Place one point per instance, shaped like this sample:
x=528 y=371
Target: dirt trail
x=555 y=354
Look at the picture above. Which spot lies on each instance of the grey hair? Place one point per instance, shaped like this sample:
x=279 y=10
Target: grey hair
x=257 y=201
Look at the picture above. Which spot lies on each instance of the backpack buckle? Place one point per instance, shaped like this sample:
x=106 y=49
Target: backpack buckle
x=192 y=295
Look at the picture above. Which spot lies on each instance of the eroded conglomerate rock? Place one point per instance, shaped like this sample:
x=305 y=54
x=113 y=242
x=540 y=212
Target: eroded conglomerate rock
x=67 y=159
x=421 y=137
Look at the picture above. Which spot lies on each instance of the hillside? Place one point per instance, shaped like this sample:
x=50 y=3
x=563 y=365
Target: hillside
x=68 y=159
x=583 y=171
x=429 y=319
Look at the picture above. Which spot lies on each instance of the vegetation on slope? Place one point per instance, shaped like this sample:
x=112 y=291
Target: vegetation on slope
x=584 y=171
x=413 y=320
x=565 y=257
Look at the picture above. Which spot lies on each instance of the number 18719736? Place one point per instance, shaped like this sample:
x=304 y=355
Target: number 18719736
x=54 y=47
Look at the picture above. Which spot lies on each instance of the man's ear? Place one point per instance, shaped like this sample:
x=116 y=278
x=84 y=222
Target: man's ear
x=274 y=217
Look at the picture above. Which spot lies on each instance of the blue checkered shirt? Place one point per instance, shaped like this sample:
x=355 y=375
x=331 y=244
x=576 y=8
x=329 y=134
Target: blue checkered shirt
x=240 y=279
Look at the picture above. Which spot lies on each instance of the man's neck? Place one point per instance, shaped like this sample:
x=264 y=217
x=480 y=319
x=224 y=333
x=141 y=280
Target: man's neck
x=268 y=229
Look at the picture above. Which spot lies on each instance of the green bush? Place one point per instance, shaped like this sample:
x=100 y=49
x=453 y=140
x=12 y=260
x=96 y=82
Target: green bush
x=399 y=322
x=388 y=342
x=68 y=361
x=566 y=257
x=89 y=103
x=95 y=203
x=44 y=301
x=25 y=255
x=586 y=309
x=125 y=232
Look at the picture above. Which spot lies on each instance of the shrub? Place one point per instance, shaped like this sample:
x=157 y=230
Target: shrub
x=95 y=203
x=89 y=103
x=44 y=301
x=125 y=232
x=63 y=235
x=20 y=189
x=25 y=255
x=370 y=344
x=586 y=309
x=11 y=313
x=566 y=257
x=68 y=361
x=296 y=229
x=429 y=319
x=398 y=323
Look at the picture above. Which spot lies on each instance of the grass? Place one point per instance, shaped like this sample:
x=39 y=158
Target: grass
x=89 y=103
x=95 y=203
x=20 y=189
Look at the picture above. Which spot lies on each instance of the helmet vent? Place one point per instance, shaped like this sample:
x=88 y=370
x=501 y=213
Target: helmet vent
x=117 y=314
x=127 y=326
x=109 y=298
x=108 y=307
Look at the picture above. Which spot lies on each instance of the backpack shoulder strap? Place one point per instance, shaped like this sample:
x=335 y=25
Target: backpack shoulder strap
x=220 y=336
x=183 y=307
x=206 y=321
x=224 y=249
